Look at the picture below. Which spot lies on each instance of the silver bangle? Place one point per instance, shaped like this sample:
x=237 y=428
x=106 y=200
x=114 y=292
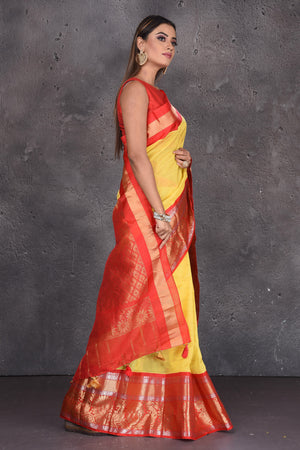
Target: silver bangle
x=163 y=217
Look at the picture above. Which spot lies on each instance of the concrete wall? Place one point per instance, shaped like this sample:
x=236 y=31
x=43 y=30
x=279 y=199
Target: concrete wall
x=234 y=78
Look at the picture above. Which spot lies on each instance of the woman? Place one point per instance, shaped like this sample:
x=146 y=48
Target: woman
x=143 y=373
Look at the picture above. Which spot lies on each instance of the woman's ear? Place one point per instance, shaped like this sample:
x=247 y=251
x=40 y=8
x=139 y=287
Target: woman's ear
x=139 y=42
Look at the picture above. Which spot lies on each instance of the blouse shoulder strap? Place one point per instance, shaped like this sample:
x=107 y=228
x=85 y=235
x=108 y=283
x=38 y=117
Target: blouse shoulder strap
x=131 y=79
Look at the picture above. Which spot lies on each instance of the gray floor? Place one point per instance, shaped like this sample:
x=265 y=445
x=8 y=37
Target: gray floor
x=264 y=411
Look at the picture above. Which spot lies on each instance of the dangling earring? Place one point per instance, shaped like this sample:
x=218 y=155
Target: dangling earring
x=164 y=70
x=141 y=58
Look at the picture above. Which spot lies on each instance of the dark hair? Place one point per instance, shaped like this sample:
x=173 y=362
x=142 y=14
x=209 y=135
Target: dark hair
x=146 y=26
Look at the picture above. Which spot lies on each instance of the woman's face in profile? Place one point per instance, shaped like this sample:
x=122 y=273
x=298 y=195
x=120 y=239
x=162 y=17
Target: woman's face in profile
x=160 y=45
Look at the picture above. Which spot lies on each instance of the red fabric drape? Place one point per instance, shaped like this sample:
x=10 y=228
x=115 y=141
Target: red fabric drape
x=138 y=307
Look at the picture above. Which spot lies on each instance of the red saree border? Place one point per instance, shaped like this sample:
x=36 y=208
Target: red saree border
x=151 y=435
x=147 y=207
x=163 y=133
x=156 y=304
x=191 y=247
x=178 y=405
x=157 y=257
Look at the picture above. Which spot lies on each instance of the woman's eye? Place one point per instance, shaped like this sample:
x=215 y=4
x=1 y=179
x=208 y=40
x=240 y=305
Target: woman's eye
x=162 y=38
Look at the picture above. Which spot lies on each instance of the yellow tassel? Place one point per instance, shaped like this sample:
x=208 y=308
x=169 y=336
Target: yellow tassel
x=94 y=383
x=159 y=355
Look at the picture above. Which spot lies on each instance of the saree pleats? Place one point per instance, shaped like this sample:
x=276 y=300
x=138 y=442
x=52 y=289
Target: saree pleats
x=143 y=373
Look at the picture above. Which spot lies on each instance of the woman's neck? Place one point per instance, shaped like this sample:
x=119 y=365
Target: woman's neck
x=147 y=74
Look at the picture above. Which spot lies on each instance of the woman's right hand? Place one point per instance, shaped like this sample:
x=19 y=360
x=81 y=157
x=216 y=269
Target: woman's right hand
x=163 y=230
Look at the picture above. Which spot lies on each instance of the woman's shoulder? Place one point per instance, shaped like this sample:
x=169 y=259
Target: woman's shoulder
x=133 y=86
x=133 y=94
x=131 y=90
x=138 y=94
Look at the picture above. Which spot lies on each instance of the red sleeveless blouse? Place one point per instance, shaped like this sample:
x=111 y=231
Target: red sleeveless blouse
x=162 y=117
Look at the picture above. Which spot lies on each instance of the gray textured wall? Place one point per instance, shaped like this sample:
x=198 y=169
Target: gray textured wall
x=235 y=80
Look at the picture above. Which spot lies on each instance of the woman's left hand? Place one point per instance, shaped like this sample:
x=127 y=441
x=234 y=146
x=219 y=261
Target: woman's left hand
x=182 y=157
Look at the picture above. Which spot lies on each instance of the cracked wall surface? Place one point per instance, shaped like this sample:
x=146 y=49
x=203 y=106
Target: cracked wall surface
x=235 y=78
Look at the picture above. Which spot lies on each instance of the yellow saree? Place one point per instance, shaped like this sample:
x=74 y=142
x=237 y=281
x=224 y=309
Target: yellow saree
x=143 y=373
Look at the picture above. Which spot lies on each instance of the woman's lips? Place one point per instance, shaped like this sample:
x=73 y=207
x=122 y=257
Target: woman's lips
x=168 y=55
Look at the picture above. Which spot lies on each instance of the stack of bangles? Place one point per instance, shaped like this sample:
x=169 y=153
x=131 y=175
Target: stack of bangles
x=163 y=217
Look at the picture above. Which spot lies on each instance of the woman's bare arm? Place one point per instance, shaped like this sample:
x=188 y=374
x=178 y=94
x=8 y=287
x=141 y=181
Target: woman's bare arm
x=134 y=105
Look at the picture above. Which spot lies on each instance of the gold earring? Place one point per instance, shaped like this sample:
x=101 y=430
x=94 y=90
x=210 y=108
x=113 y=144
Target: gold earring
x=164 y=70
x=141 y=58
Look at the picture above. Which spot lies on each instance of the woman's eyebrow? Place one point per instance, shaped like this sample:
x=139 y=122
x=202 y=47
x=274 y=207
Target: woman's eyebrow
x=161 y=32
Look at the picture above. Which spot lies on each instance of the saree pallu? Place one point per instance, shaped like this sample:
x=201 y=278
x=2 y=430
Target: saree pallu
x=143 y=373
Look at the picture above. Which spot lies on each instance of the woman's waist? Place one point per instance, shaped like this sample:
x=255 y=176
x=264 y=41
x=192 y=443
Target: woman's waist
x=169 y=176
x=170 y=179
x=170 y=183
x=170 y=189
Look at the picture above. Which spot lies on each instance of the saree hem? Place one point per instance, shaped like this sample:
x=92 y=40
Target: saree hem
x=179 y=405
x=152 y=435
